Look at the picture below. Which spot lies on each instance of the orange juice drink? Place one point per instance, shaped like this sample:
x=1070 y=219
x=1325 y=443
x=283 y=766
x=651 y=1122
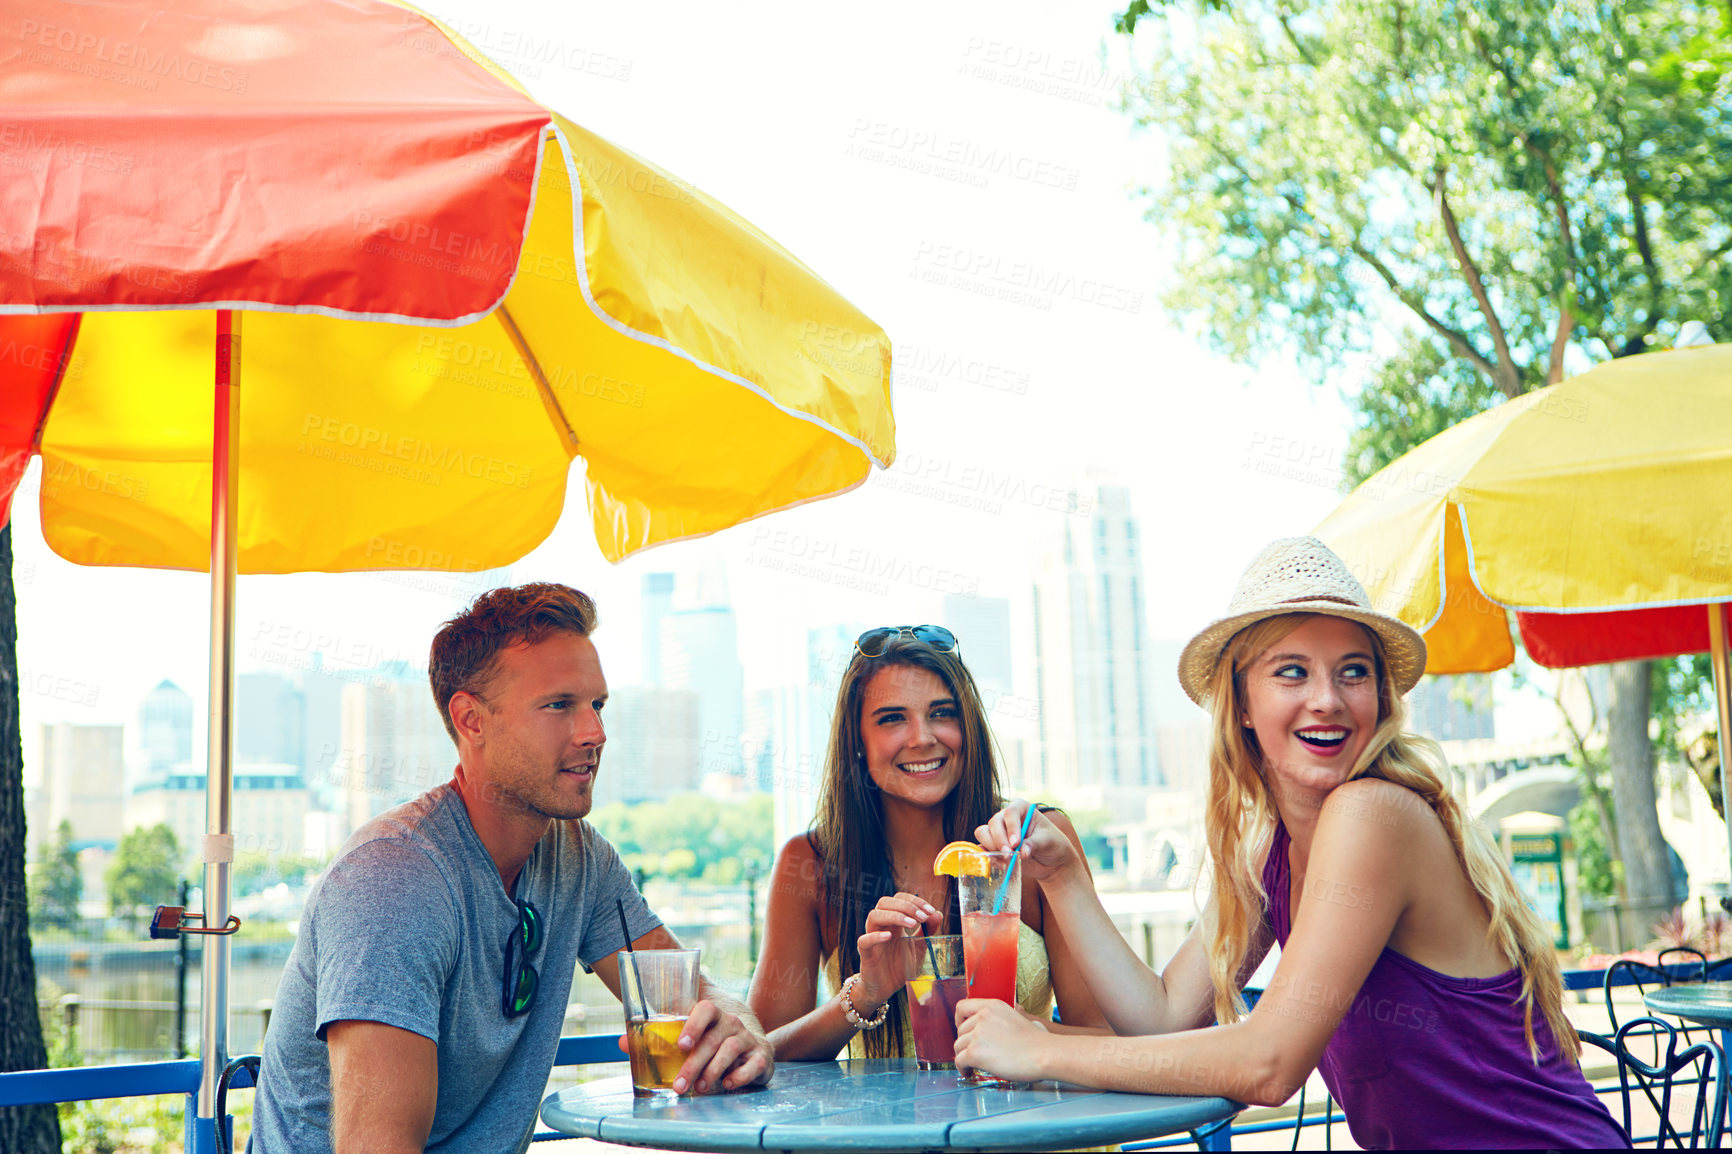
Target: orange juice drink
x=656 y=1057
x=658 y=989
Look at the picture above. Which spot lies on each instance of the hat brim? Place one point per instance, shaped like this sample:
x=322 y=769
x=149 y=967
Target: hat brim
x=1403 y=647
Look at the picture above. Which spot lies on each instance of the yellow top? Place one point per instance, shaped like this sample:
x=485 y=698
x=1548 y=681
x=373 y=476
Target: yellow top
x=1033 y=987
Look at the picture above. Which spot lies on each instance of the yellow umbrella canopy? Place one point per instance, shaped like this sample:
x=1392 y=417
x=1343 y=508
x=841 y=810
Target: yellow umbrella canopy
x=450 y=293
x=1598 y=510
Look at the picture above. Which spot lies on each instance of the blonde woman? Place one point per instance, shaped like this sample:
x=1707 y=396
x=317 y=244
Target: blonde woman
x=1411 y=972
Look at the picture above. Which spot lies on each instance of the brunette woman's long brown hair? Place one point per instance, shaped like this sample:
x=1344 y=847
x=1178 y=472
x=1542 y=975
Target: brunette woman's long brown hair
x=1241 y=815
x=848 y=833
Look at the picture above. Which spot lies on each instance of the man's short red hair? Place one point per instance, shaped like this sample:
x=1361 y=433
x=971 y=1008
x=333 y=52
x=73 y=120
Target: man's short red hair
x=466 y=649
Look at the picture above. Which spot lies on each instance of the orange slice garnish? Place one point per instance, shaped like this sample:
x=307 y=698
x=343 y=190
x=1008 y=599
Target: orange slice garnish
x=961 y=859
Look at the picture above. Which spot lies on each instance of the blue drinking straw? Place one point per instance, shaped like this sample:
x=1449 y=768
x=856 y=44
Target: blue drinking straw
x=998 y=902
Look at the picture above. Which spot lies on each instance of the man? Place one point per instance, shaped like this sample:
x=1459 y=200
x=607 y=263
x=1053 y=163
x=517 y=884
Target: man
x=421 y=1007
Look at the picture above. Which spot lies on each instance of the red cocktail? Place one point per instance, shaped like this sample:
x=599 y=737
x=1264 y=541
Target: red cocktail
x=936 y=987
x=991 y=914
x=989 y=941
x=933 y=1013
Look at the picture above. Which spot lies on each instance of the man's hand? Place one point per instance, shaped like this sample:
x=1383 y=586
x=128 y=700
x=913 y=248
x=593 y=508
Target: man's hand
x=722 y=1052
x=999 y=1039
x=724 y=1044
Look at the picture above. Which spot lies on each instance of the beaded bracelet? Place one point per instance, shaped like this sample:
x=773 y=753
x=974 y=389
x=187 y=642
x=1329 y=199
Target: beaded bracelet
x=853 y=1015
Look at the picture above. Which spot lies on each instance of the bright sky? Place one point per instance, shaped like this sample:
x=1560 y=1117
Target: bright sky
x=841 y=131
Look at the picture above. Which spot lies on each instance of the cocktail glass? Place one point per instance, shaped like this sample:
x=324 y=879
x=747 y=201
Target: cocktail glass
x=933 y=995
x=659 y=989
x=991 y=918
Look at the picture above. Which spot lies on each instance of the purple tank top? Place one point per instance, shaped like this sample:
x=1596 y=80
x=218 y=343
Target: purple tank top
x=1424 y=1060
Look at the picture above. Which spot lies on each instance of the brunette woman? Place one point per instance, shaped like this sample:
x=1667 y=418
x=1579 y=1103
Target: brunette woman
x=910 y=768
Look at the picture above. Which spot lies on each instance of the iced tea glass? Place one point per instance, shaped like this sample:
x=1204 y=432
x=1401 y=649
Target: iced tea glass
x=659 y=989
x=933 y=995
x=989 y=931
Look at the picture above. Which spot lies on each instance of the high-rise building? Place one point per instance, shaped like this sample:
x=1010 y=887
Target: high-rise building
x=700 y=651
x=165 y=729
x=83 y=775
x=393 y=747
x=322 y=732
x=985 y=638
x=797 y=723
x=982 y=628
x=653 y=748
x=268 y=813
x=658 y=602
x=270 y=720
x=1096 y=730
x=784 y=753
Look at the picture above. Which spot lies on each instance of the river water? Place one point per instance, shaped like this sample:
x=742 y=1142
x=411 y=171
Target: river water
x=126 y=991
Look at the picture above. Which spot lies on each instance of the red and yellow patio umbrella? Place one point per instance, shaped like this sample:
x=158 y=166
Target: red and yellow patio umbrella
x=450 y=293
x=1597 y=512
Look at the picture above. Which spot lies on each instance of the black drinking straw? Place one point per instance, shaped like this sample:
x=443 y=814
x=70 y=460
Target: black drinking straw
x=937 y=974
x=637 y=979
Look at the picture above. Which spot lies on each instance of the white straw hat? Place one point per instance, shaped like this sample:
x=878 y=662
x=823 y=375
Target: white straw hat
x=1300 y=575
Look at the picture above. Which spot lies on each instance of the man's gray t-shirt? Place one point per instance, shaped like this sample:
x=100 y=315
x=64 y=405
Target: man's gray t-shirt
x=408 y=927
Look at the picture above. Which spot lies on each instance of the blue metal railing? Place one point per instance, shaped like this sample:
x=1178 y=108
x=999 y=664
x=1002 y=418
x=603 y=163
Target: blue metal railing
x=142 y=1079
x=148 y=1079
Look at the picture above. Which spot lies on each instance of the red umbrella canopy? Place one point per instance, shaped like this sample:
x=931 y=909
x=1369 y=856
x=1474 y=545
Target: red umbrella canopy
x=428 y=153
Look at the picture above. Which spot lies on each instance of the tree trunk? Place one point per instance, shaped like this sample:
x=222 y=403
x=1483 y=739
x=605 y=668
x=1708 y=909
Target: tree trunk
x=24 y=1129
x=1647 y=868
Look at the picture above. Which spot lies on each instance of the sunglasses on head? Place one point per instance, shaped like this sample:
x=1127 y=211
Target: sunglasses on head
x=874 y=642
x=521 y=980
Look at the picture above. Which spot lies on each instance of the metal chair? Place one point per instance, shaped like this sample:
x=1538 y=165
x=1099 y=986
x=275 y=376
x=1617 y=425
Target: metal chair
x=1698 y=1069
x=1686 y=966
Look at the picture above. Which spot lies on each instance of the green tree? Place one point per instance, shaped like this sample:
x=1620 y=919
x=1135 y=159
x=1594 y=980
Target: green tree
x=690 y=835
x=145 y=872
x=1502 y=191
x=58 y=884
x=1684 y=690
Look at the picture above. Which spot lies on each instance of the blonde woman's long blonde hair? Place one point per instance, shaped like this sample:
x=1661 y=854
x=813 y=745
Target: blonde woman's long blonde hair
x=1241 y=817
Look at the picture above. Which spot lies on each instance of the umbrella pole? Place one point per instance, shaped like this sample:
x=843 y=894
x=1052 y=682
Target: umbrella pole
x=219 y=842
x=1723 y=704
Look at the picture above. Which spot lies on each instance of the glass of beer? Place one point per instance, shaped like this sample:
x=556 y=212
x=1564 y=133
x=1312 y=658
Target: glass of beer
x=659 y=989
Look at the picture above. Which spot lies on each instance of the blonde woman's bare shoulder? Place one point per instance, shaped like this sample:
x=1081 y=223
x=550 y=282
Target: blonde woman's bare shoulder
x=1378 y=808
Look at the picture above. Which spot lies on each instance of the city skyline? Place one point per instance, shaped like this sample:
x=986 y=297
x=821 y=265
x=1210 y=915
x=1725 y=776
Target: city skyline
x=390 y=744
x=688 y=725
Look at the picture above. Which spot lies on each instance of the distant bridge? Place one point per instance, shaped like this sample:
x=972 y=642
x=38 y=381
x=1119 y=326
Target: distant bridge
x=1553 y=789
x=1498 y=779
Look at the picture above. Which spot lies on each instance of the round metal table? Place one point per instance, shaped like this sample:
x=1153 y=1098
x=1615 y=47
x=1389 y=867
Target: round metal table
x=875 y=1105
x=1707 y=1003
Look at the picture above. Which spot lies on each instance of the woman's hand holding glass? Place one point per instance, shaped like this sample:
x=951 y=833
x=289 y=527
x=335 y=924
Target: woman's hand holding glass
x=884 y=959
x=999 y=1039
x=1046 y=851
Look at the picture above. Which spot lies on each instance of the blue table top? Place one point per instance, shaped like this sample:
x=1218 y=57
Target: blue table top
x=1709 y=1003
x=874 y=1105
